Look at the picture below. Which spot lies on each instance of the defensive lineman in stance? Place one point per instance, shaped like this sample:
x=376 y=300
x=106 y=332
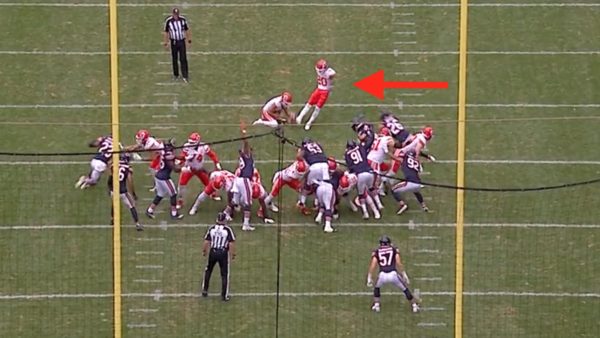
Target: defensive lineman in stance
x=391 y=271
x=411 y=167
x=219 y=242
x=356 y=160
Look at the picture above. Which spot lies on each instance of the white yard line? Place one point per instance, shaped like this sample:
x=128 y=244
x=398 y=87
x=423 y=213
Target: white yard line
x=300 y=294
x=302 y=52
x=306 y=4
x=508 y=162
x=311 y=225
x=336 y=105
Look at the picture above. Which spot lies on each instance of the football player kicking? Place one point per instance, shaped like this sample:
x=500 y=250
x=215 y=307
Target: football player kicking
x=98 y=163
x=317 y=99
x=291 y=176
x=391 y=271
x=163 y=183
x=126 y=190
x=411 y=167
x=270 y=115
x=193 y=154
x=356 y=160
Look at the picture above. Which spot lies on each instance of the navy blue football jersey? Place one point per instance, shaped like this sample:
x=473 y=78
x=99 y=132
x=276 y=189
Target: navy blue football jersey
x=124 y=171
x=246 y=165
x=411 y=167
x=356 y=159
x=386 y=258
x=105 y=148
x=166 y=164
x=313 y=153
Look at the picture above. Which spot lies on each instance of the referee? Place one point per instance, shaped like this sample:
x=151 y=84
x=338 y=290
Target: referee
x=221 y=241
x=176 y=33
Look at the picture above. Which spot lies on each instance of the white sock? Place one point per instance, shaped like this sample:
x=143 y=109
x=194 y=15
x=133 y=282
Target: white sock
x=314 y=115
x=181 y=191
x=268 y=199
x=246 y=218
x=371 y=204
x=303 y=199
x=303 y=112
x=363 y=206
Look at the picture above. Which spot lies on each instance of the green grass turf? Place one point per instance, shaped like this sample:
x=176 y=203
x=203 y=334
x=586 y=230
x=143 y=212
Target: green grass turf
x=313 y=267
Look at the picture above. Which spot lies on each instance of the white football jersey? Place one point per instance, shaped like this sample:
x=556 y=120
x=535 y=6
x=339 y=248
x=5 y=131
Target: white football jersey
x=415 y=139
x=291 y=172
x=325 y=79
x=274 y=105
x=379 y=149
x=152 y=143
x=229 y=178
x=194 y=156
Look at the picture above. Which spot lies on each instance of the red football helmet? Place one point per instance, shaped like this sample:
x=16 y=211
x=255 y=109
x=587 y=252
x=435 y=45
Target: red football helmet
x=384 y=131
x=332 y=164
x=321 y=65
x=218 y=182
x=142 y=136
x=194 y=138
x=428 y=132
x=286 y=97
x=344 y=182
x=301 y=166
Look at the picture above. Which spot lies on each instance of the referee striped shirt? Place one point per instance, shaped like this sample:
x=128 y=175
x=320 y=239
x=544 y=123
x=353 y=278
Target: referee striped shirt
x=219 y=236
x=176 y=27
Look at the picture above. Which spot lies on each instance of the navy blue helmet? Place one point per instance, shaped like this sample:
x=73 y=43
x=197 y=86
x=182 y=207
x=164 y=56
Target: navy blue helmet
x=384 y=240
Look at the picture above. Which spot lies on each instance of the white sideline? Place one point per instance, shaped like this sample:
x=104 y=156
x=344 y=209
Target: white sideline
x=301 y=52
x=336 y=105
x=306 y=4
x=533 y=162
x=312 y=225
x=299 y=294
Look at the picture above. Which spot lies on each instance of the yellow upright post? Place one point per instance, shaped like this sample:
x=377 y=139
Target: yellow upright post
x=460 y=170
x=114 y=95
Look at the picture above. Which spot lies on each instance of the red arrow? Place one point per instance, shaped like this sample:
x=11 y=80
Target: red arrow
x=375 y=84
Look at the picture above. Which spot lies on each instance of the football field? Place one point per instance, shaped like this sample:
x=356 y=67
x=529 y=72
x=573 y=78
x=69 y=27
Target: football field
x=531 y=263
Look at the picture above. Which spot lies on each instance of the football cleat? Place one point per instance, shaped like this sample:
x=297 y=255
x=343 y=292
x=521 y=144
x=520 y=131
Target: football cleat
x=376 y=307
x=307 y=127
x=204 y=293
x=328 y=229
x=336 y=215
x=193 y=211
x=179 y=204
x=150 y=214
x=424 y=208
x=268 y=220
x=139 y=227
x=365 y=216
x=80 y=182
x=177 y=216
x=248 y=228
x=402 y=209
x=415 y=307
x=274 y=207
x=319 y=218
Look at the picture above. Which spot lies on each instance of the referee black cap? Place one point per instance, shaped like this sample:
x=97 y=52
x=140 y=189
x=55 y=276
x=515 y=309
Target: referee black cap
x=221 y=217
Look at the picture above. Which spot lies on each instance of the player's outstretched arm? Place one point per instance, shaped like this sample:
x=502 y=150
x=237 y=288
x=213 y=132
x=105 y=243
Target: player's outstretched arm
x=372 y=268
x=245 y=143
